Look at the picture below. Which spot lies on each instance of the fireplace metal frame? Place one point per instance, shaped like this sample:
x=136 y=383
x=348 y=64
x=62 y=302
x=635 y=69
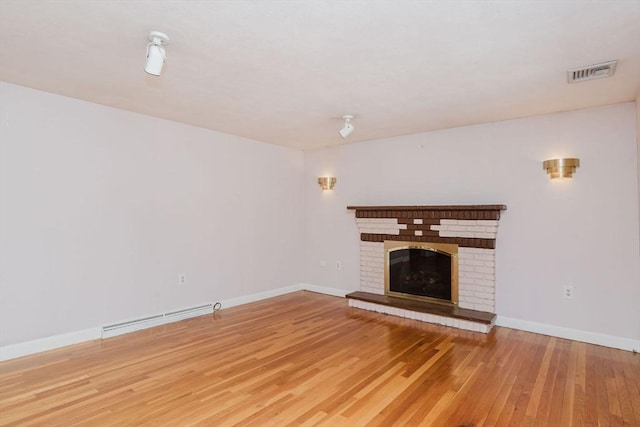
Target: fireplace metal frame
x=448 y=249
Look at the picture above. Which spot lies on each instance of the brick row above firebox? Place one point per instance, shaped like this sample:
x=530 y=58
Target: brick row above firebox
x=472 y=226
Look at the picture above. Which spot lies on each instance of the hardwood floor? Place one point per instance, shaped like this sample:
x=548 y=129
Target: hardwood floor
x=309 y=359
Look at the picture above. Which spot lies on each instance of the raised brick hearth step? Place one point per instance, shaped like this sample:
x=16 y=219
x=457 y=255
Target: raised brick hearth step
x=442 y=314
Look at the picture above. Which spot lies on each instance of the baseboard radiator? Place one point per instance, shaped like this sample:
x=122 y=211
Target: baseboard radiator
x=109 y=331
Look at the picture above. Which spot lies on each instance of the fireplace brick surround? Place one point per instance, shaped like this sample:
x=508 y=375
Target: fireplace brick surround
x=472 y=227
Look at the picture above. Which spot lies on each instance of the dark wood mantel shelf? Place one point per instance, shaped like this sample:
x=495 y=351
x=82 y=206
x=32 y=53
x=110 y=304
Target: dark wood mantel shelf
x=458 y=212
x=431 y=208
x=425 y=307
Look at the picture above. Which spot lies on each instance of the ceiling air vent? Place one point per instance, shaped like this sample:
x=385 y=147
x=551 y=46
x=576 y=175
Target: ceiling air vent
x=591 y=72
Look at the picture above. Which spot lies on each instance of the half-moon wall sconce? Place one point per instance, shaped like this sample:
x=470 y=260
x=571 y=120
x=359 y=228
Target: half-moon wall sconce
x=561 y=168
x=327 y=182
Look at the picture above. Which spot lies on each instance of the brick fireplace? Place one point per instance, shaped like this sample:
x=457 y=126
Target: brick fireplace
x=472 y=228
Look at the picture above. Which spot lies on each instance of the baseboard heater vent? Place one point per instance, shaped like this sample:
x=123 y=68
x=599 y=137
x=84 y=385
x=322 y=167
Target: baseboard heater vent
x=189 y=312
x=109 y=331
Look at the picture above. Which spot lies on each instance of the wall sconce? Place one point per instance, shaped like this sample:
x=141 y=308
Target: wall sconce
x=560 y=168
x=327 y=182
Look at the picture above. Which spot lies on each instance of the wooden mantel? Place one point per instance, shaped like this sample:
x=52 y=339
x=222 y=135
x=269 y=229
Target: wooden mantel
x=462 y=212
x=431 y=208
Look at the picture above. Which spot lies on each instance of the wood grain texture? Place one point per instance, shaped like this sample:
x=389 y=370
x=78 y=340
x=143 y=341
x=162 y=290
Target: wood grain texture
x=309 y=359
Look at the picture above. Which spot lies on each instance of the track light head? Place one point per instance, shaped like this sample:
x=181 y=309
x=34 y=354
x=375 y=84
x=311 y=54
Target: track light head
x=348 y=127
x=156 y=53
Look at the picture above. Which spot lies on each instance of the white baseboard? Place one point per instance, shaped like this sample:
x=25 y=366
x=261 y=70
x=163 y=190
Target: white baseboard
x=13 y=351
x=568 y=333
x=336 y=292
x=232 y=302
x=246 y=299
x=48 y=343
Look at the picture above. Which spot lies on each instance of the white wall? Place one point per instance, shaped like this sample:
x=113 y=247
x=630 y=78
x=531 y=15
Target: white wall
x=638 y=159
x=101 y=209
x=582 y=232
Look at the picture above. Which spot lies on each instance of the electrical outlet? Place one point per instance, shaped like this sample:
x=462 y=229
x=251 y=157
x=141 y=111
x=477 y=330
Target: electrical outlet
x=182 y=279
x=568 y=291
x=338 y=265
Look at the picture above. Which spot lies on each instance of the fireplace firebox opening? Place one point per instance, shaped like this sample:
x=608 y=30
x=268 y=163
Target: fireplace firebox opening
x=421 y=271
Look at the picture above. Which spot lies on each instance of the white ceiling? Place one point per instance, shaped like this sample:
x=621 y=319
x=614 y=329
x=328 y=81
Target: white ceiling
x=285 y=71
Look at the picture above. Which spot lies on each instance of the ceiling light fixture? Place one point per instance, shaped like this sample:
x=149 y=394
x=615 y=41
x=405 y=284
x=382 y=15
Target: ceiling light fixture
x=348 y=127
x=156 y=53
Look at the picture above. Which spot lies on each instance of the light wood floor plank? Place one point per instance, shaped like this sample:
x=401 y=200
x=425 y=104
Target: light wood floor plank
x=308 y=359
